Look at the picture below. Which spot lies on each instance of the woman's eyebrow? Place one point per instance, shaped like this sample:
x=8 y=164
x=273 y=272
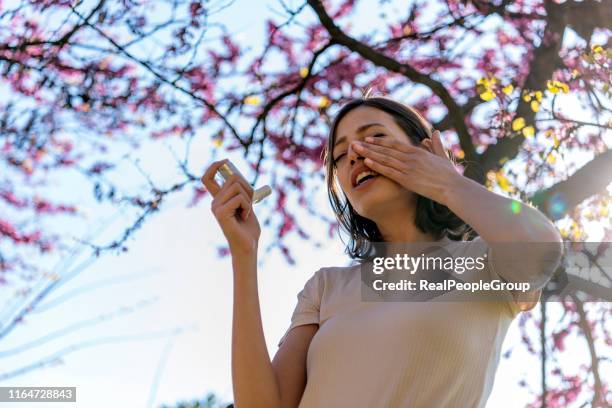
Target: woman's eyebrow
x=361 y=129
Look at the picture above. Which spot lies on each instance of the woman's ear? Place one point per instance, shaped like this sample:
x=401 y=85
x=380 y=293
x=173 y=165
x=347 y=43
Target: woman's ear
x=427 y=144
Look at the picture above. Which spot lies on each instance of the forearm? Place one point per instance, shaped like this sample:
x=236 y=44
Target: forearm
x=497 y=218
x=254 y=381
x=510 y=228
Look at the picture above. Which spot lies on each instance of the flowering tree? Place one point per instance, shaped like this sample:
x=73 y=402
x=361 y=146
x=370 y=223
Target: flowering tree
x=81 y=77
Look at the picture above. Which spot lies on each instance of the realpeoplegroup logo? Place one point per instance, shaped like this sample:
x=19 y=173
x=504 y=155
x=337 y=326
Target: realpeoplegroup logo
x=450 y=285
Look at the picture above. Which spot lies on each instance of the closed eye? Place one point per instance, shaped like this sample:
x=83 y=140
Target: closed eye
x=340 y=156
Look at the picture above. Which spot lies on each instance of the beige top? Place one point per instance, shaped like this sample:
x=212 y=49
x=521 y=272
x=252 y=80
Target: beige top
x=398 y=354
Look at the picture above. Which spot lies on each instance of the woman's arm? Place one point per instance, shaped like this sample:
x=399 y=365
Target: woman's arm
x=510 y=228
x=257 y=382
x=427 y=170
x=253 y=377
x=254 y=381
x=290 y=363
x=497 y=218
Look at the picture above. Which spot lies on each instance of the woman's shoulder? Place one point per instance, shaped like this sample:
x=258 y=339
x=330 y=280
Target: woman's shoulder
x=335 y=274
x=333 y=271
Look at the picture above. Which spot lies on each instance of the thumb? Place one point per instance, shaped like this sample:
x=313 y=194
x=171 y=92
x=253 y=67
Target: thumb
x=438 y=147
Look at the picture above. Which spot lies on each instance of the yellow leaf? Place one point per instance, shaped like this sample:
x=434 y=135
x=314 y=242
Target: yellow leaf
x=535 y=106
x=564 y=87
x=487 y=82
x=538 y=95
x=556 y=142
x=508 y=89
x=550 y=159
x=597 y=49
x=518 y=124
x=323 y=102
x=487 y=95
x=304 y=72
x=252 y=100
x=503 y=182
x=556 y=86
x=528 y=131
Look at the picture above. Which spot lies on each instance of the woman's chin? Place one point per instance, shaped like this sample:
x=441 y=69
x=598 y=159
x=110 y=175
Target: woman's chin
x=381 y=203
x=373 y=207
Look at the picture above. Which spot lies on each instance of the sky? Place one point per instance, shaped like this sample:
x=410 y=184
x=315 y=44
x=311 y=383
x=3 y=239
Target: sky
x=162 y=311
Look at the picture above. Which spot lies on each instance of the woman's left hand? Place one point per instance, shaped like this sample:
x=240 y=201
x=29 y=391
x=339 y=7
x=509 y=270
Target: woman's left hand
x=425 y=170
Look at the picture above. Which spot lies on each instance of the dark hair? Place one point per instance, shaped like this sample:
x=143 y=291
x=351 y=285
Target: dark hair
x=431 y=217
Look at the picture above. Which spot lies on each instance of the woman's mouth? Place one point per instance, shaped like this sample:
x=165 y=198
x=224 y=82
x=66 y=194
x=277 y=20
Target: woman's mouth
x=364 y=178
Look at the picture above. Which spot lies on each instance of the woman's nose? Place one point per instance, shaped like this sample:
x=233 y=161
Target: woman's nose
x=352 y=154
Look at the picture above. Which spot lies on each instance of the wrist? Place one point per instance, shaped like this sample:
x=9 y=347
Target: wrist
x=243 y=254
x=244 y=266
x=457 y=188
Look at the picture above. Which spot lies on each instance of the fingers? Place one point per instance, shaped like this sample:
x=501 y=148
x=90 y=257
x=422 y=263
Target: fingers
x=231 y=188
x=438 y=146
x=382 y=155
x=402 y=146
x=433 y=145
x=208 y=179
x=428 y=145
x=368 y=148
x=233 y=205
x=385 y=170
x=226 y=203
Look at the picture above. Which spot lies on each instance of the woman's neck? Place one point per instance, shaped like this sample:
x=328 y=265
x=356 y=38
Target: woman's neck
x=399 y=226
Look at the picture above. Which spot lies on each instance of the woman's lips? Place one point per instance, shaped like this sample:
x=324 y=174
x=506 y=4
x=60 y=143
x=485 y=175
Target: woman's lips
x=365 y=183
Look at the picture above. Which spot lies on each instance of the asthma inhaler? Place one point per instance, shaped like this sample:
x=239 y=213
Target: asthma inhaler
x=228 y=168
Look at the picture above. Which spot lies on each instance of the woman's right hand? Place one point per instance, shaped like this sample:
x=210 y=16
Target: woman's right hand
x=232 y=207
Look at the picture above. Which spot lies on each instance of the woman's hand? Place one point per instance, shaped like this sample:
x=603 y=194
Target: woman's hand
x=424 y=170
x=233 y=209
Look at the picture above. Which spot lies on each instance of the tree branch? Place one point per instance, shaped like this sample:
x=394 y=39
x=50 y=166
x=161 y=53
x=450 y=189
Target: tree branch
x=456 y=113
x=593 y=177
x=545 y=61
x=584 y=16
x=584 y=325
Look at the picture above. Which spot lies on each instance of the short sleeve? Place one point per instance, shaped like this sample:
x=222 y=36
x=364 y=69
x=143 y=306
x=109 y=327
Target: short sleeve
x=515 y=306
x=308 y=305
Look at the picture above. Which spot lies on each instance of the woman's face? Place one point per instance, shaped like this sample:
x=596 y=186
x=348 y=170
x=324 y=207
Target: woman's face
x=371 y=195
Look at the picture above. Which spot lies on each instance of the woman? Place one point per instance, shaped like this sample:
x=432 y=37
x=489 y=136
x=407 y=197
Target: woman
x=389 y=180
